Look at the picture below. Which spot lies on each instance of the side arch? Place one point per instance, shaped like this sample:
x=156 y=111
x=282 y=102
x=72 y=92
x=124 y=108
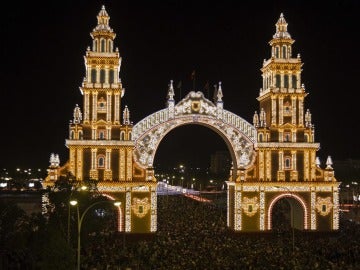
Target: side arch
x=299 y=202
x=120 y=213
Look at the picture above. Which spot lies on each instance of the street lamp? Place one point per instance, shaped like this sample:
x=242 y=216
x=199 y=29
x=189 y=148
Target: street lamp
x=80 y=220
x=292 y=216
x=82 y=188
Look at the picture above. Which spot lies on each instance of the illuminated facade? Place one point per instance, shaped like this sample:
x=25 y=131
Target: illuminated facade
x=100 y=136
x=286 y=165
x=273 y=159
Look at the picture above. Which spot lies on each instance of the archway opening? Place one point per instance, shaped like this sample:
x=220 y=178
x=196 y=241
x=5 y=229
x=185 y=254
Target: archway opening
x=287 y=214
x=191 y=165
x=193 y=156
x=281 y=216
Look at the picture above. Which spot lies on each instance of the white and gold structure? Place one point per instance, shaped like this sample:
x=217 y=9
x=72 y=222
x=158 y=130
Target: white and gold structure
x=286 y=164
x=273 y=159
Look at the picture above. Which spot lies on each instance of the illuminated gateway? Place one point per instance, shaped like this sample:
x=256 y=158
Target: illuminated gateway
x=274 y=159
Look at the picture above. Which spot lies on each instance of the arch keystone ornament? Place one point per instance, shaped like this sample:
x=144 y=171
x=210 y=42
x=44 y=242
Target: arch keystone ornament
x=274 y=158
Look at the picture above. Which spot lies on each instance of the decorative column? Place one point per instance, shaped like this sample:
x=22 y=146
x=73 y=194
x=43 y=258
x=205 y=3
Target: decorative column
x=108 y=172
x=72 y=160
x=268 y=165
x=79 y=165
x=93 y=171
x=117 y=108
x=313 y=209
x=153 y=221
x=335 y=212
x=108 y=106
x=262 y=208
x=281 y=174
x=293 y=109
x=128 y=210
x=261 y=165
x=281 y=110
x=306 y=166
x=122 y=166
x=86 y=106
x=129 y=154
x=301 y=111
x=294 y=173
x=313 y=166
x=273 y=111
x=108 y=132
x=238 y=210
x=94 y=106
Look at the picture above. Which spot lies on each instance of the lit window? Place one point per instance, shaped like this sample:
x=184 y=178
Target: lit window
x=293 y=81
x=102 y=76
x=277 y=80
x=109 y=45
x=287 y=137
x=277 y=52
x=111 y=76
x=260 y=137
x=287 y=163
x=287 y=108
x=103 y=45
x=286 y=81
x=101 y=105
x=284 y=52
x=93 y=75
x=95 y=45
x=101 y=135
x=101 y=162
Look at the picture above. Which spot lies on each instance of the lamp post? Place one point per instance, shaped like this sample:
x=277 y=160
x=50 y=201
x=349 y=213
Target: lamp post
x=292 y=217
x=80 y=220
x=82 y=188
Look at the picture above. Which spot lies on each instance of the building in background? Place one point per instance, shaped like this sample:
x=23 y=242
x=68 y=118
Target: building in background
x=220 y=163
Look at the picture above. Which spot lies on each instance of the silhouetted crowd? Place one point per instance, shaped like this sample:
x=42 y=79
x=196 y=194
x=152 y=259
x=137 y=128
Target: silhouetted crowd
x=194 y=235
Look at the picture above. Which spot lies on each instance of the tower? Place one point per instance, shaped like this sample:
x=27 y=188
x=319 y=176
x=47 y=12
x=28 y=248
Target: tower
x=286 y=135
x=100 y=146
x=286 y=165
x=282 y=123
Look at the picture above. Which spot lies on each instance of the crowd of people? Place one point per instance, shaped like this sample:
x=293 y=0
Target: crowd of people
x=194 y=235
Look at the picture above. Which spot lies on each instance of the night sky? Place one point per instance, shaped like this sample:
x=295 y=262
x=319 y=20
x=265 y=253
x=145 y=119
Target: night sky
x=43 y=44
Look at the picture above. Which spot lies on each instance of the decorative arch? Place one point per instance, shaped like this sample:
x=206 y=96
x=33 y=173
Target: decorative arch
x=296 y=197
x=120 y=224
x=239 y=135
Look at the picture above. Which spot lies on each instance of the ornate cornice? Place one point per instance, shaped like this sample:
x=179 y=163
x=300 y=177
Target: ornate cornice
x=98 y=143
x=287 y=145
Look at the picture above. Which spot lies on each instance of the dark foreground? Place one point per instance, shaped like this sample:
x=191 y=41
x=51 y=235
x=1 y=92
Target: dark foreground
x=192 y=235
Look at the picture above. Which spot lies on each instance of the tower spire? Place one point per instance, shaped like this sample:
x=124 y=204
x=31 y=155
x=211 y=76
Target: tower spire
x=281 y=29
x=77 y=115
x=281 y=41
x=103 y=21
x=219 y=93
x=126 y=115
x=171 y=93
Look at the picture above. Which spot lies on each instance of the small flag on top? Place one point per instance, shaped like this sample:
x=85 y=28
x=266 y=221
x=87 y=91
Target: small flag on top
x=179 y=85
x=193 y=75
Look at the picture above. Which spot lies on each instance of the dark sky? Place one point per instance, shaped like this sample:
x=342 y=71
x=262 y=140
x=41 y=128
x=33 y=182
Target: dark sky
x=43 y=44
